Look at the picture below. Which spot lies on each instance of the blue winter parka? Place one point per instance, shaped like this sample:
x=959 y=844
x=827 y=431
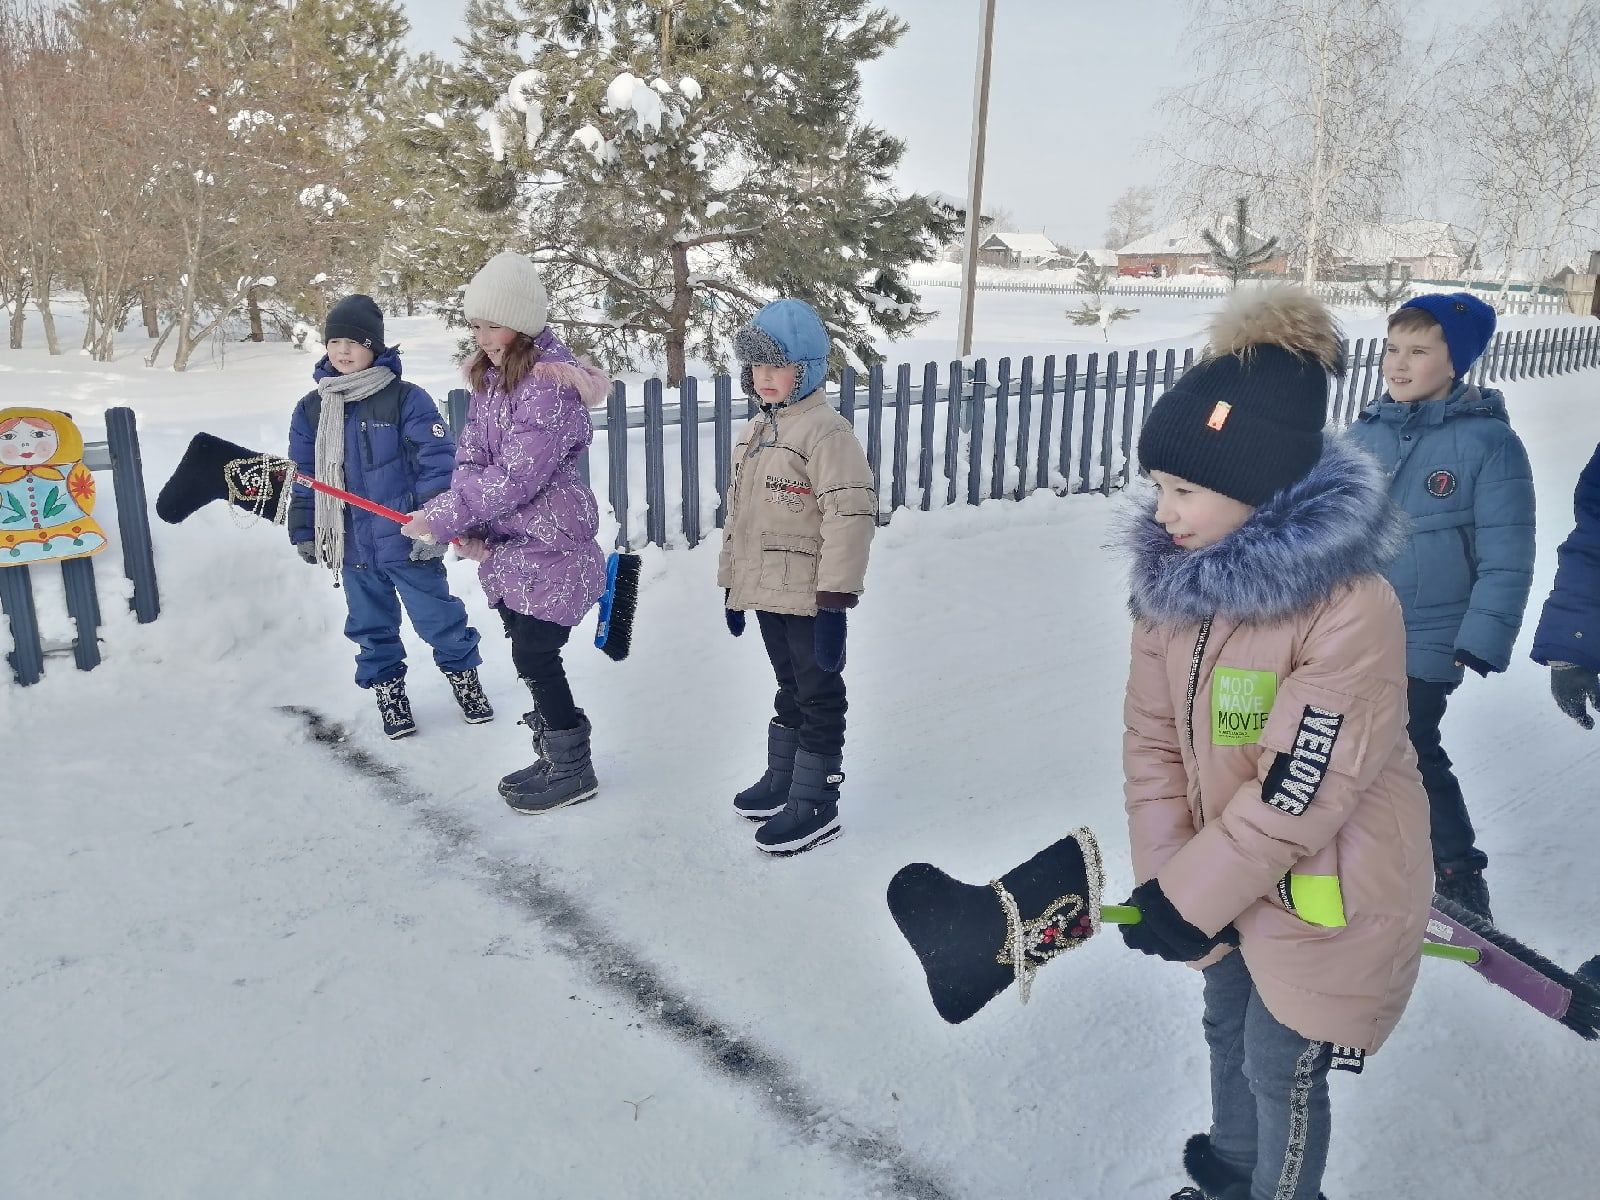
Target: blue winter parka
x=1460 y=473
x=397 y=451
x=1569 y=627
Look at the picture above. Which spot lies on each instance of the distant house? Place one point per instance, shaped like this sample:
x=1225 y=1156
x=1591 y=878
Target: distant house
x=1094 y=258
x=1181 y=249
x=1581 y=285
x=1016 y=250
x=1430 y=249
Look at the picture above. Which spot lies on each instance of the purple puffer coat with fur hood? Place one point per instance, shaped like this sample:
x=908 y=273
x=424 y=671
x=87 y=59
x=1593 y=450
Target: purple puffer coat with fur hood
x=517 y=486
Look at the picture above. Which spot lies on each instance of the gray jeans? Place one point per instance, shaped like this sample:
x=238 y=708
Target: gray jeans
x=1269 y=1090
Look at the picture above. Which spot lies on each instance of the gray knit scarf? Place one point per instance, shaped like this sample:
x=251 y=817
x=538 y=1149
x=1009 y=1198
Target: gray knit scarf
x=338 y=391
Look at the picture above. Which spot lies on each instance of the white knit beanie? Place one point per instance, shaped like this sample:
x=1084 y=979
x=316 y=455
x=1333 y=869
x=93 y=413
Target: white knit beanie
x=508 y=292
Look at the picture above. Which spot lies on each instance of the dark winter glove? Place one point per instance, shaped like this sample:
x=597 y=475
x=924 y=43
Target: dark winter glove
x=307 y=552
x=1466 y=658
x=828 y=639
x=1163 y=932
x=1575 y=688
x=734 y=616
x=428 y=551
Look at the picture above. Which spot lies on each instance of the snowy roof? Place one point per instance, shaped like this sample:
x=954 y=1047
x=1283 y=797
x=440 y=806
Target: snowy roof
x=1033 y=245
x=1393 y=240
x=1100 y=256
x=1184 y=237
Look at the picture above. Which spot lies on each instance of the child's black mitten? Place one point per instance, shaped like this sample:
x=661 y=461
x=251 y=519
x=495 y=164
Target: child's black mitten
x=734 y=616
x=829 y=636
x=1163 y=932
x=1575 y=689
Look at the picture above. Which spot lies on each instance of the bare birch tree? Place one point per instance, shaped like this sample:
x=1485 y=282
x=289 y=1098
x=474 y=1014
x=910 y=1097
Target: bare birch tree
x=1305 y=105
x=1528 y=132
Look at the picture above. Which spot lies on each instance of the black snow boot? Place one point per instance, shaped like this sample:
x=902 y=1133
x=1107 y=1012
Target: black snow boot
x=1216 y=1180
x=568 y=776
x=767 y=797
x=394 y=708
x=475 y=706
x=1462 y=883
x=811 y=816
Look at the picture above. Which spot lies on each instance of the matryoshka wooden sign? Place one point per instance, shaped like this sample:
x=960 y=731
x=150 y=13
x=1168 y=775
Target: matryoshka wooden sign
x=46 y=493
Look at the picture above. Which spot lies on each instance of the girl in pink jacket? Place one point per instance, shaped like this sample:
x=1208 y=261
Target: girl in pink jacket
x=1278 y=823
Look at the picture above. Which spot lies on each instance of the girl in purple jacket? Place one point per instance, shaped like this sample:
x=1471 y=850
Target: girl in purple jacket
x=518 y=506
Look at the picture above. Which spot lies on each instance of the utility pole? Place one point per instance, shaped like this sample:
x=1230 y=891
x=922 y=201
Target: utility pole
x=980 y=125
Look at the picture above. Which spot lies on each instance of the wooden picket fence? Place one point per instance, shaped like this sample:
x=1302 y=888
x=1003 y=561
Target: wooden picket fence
x=1522 y=299
x=956 y=433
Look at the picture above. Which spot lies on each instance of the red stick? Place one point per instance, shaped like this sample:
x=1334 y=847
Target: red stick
x=372 y=506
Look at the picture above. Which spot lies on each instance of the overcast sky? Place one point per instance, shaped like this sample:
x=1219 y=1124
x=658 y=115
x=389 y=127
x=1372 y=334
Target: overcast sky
x=1072 y=101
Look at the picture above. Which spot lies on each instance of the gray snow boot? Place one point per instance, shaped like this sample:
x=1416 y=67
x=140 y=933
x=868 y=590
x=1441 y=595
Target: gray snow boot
x=767 y=796
x=517 y=779
x=811 y=817
x=568 y=776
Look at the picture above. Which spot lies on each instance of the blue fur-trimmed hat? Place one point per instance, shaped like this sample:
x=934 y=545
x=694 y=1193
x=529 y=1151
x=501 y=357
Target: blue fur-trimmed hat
x=784 y=332
x=1466 y=322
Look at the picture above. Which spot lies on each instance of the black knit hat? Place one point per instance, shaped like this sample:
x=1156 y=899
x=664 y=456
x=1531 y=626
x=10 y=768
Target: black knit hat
x=358 y=318
x=1246 y=420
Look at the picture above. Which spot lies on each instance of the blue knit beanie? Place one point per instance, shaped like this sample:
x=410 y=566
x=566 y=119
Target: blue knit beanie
x=1467 y=323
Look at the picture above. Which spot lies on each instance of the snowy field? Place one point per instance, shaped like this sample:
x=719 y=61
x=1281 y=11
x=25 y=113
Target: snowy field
x=243 y=962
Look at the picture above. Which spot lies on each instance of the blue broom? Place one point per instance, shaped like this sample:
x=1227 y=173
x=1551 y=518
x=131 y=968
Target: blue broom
x=614 y=632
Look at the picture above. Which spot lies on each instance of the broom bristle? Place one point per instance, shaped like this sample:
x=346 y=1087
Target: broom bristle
x=615 y=638
x=1583 y=1010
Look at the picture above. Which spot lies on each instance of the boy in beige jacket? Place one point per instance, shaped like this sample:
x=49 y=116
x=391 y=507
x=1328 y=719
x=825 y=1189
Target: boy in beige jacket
x=801 y=513
x=1278 y=823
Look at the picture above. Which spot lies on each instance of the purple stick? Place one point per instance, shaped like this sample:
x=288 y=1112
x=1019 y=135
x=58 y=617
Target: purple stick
x=1502 y=969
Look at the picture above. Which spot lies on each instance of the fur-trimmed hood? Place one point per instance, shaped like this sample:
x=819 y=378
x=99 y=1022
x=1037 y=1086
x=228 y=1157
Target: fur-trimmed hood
x=1332 y=526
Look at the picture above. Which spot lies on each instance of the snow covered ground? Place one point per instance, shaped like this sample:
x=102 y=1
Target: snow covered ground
x=244 y=962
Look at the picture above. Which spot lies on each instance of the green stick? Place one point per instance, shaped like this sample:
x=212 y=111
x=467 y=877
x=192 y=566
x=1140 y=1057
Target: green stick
x=1127 y=914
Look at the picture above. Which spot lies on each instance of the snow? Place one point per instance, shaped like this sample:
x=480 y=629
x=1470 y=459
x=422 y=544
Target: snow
x=690 y=88
x=433 y=119
x=520 y=97
x=493 y=125
x=592 y=140
x=627 y=93
x=236 y=965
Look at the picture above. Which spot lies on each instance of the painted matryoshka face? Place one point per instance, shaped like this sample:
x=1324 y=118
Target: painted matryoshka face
x=27 y=444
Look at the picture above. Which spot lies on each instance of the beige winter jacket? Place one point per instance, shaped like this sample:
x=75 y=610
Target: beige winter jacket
x=1269 y=778
x=801 y=511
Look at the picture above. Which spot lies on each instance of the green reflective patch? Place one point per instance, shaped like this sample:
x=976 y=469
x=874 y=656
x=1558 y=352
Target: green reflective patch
x=1241 y=702
x=1317 y=899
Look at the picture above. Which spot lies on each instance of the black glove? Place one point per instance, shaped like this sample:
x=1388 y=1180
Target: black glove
x=1575 y=688
x=427 y=551
x=1466 y=658
x=827 y=639
x=1163 y=932
x=307 y=551
x=734 y=616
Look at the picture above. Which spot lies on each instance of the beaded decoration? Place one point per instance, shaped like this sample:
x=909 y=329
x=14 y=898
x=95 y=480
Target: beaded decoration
x=251 y=482
x=1066 y=923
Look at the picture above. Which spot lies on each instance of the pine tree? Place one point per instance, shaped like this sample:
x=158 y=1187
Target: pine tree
x=1246 y=252
x=673 y=164
x=1393 y=291
x=1097 y=310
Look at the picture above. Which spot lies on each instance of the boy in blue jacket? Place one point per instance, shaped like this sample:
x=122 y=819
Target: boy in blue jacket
x=365 y=430
x=1459 y=471
x=1568 y=637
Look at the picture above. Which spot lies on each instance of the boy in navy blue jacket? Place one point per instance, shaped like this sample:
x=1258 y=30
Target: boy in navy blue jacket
x=367 y=431
x=1461 y=473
